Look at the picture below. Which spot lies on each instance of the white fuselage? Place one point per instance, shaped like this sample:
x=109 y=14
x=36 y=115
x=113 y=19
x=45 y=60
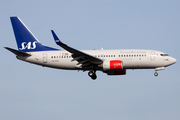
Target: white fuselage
x=112 y=62
x=132 y=58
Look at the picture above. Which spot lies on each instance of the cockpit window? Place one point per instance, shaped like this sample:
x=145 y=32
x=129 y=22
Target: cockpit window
x=164 y=55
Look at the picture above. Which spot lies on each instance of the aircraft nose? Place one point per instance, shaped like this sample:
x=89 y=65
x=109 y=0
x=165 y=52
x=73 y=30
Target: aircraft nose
x=173 y=60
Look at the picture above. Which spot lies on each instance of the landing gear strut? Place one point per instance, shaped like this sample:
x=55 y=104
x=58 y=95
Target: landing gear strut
x=156 y=74
x=92 y=74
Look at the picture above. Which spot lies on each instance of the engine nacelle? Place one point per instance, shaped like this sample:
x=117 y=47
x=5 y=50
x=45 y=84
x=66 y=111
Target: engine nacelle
x=116 y=72
x=112 y=65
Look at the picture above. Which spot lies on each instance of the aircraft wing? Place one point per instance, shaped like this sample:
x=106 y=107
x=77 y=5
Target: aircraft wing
x=82 y=58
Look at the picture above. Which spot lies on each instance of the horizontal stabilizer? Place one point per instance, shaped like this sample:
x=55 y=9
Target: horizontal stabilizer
x=18 y=53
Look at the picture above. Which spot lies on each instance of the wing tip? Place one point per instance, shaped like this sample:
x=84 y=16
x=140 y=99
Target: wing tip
x=56 y=39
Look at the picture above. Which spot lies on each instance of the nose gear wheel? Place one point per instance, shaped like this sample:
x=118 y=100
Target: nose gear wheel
x=155 y=74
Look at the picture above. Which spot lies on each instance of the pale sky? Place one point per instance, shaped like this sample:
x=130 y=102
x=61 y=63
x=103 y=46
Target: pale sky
x=31 y=92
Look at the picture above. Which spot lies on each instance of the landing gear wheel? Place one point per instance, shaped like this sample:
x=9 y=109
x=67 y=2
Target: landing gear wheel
x=156 y=74
x=92 y=74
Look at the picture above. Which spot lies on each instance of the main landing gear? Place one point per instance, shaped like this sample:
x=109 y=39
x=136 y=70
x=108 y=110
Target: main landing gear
x=92 y=74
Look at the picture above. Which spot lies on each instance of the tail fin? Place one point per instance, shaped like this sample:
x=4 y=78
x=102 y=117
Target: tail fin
x=26 y=41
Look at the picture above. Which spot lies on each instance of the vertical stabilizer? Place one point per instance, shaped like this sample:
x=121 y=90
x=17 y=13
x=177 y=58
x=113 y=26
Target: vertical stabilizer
x=26 y=41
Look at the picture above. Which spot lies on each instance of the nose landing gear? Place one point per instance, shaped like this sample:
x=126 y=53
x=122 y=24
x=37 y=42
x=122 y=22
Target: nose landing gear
x=155 y=74
x=157 y=69
x=92 y=74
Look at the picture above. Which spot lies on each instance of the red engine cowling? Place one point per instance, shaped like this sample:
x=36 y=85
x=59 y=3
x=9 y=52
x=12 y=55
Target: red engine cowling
x=112 y=65
x=116 y=72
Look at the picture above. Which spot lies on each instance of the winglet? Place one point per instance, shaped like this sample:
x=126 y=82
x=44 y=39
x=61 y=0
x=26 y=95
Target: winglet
x=56 y=39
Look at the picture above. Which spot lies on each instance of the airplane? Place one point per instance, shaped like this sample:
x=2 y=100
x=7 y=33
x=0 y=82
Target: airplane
x=111 y=62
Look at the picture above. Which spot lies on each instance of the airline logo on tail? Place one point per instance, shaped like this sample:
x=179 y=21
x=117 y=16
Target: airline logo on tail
x=28 y=45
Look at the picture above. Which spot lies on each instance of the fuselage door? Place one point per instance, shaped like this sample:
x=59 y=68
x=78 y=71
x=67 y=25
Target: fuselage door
x=152 y=55
x=45 y=58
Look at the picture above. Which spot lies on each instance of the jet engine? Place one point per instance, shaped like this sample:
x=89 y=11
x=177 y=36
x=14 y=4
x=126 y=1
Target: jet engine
x=112 y=65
